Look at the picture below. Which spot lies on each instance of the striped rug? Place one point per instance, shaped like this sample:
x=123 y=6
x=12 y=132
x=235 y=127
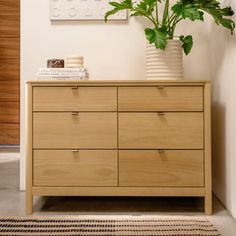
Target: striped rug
x=106 y=226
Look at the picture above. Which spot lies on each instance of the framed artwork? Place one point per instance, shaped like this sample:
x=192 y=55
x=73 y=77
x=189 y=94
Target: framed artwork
x=82 y=10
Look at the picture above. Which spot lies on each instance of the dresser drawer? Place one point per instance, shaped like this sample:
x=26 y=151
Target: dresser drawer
x=75 y=130
x=165 y=168
x=161 y=98
x=155 y=130
x=74 y=98
x=75 y=168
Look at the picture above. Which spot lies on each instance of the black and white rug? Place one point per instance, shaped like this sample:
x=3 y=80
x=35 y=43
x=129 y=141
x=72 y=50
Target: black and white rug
x=107 y=226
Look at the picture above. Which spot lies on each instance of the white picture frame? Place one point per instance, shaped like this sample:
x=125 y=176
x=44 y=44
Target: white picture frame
x=82 y=10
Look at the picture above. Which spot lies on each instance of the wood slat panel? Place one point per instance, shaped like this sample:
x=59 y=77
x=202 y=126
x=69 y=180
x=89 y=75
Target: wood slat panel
x=9 y=134
x=9 y=69
x=169 y=130
x=9 y=6
x=9 y=18
x=9 y=26
x=168 y=168
x=9 y=48
x=9 y=112
x=9 y=91
x=161 y=98
x=118 y=191
x=82 y=168
x=83 y=130
x=75 y=98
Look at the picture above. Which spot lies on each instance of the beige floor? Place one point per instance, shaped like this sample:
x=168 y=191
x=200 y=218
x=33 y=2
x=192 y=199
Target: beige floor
x=12 y=202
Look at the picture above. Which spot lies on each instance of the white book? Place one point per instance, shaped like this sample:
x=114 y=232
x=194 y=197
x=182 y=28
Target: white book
x=62 y=78
x=62 y=69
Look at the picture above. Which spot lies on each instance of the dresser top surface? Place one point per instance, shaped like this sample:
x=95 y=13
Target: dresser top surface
x=116 y=82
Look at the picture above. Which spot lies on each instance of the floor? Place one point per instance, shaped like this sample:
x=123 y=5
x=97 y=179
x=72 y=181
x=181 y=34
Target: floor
x=12 y=202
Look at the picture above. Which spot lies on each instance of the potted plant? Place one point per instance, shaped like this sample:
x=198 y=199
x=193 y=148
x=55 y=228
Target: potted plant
x=164 y=47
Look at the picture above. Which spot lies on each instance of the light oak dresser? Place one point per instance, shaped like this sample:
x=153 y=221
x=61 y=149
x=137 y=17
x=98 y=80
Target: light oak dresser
x=119 y=138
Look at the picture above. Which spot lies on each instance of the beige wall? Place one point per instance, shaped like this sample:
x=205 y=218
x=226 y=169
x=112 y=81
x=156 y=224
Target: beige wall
x=117 y=51
x=223 y=75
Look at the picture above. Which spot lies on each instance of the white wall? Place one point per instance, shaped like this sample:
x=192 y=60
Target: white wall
x=111 y=51
x=223 y=71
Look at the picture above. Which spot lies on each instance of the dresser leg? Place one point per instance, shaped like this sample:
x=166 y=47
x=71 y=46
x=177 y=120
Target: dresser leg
x=29 y=204
x=208 y=204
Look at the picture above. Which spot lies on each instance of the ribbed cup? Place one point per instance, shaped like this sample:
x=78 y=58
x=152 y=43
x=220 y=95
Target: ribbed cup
x=164 y=64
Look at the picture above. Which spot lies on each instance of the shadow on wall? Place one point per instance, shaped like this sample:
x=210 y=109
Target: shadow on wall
x=221 y=42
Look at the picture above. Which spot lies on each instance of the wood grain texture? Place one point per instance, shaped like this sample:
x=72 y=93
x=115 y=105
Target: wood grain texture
x=9 y=113
x=208 y=161
x=68 y=168
x=117 y=191
x=9 y=134
x=75 y=99
x=183 y=169
x=182 y=130
x=9 y=91
x=9 y=24
x=99 y=83
x=166 y=168
x=10 y=48
x=9 y=7
x=9 y=69
x=29 y=154
x=161 y=98
x=82 y=130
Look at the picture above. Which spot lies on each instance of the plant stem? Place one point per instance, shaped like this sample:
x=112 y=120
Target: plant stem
x=166 y=12
x=157 y=13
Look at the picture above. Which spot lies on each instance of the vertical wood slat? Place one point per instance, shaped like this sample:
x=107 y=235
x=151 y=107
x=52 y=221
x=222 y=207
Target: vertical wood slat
x=9 y=26
x=9 y=134
x=9 y=91
x=9 y=69
x=29 y=143
x=9 y=113
x=208 y=165
x=9 y=48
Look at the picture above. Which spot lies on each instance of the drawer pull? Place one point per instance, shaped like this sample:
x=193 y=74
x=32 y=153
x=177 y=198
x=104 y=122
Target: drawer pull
x=75 y=87
x=75 y=151
x=160 y=113
x=160 y=151
x=160 y=86
x=75 y=113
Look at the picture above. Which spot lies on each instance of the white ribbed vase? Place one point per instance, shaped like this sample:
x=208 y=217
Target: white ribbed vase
x=164 y=64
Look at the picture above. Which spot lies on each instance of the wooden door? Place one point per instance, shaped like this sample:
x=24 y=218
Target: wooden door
x=9 y=71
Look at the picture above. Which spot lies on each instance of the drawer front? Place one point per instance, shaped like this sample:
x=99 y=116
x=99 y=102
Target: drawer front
x=165 y=98
x=169 y=168
x=74 y=98
x=68 y=168
x=161 y=130
x=75 y=130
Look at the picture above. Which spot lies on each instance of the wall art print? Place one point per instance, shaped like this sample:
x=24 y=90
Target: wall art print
x=82 y=10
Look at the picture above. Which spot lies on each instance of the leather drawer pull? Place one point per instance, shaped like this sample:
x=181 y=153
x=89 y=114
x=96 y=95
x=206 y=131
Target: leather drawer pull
x=160 y=113
x=75 y=87
x=75 y=113
x=160 y=86
x=160 y=151
x=75 y=151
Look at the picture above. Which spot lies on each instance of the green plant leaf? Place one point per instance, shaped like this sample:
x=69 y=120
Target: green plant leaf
x=187 y=11
x=124 y=5
x=157 y=36
x=161 y=38
x=213 y=8
x=187 y=43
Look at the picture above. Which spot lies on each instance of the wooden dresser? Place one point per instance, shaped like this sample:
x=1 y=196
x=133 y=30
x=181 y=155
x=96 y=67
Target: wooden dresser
x=119 y=138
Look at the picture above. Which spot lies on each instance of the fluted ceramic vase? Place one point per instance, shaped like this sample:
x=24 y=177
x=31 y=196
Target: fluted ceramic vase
x=165 y=64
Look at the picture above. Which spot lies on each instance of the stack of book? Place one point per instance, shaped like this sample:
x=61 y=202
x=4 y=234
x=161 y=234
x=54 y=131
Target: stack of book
x=63 y=73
